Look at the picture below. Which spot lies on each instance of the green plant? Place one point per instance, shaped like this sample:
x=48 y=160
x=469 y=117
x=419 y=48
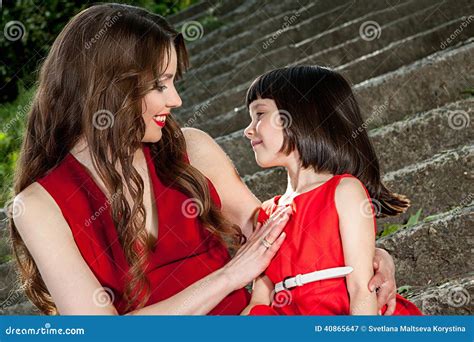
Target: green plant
x=405 y=291
x=210 y=22
x=13 y=117
x=32 y=27
x=390 y=228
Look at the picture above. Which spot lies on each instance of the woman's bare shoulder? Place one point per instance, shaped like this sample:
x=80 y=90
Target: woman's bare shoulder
x=34 y=205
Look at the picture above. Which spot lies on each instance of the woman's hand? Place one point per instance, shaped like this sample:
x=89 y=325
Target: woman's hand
x=254 y=257
x=384 y=281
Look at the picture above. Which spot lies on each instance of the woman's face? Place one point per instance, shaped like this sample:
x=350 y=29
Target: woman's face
x=156 y=105
x=265 y=133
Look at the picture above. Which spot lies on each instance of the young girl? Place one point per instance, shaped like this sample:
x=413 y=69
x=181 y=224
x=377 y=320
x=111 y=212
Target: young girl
x=306 y=119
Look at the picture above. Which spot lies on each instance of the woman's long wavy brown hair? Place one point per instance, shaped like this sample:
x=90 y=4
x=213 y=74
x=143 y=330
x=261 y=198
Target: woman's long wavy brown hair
x=322 y=121
x=103 y=60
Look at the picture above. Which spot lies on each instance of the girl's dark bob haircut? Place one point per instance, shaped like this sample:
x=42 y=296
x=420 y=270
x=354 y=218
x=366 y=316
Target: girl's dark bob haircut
x=323 y=122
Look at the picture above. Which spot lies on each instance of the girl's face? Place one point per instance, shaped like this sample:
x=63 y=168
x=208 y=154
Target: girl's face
x=265 y=133
x=157 y=103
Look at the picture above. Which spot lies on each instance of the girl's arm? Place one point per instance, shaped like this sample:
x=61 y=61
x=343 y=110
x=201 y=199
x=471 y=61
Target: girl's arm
x=358 y=241
x=262 y=288
x=239 y=205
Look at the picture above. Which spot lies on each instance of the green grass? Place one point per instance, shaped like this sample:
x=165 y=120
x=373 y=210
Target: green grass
x=12 y=124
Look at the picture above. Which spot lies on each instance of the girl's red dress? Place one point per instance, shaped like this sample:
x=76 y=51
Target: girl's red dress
x=313 y=242
x=184 y=252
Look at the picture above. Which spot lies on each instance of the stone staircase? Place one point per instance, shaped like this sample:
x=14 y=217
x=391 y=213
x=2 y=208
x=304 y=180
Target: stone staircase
x=410 y=83
x=410 y=80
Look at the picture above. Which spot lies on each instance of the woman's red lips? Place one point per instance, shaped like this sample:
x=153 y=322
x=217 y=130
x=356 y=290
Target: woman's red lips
x=161 y=123
x=256 y=142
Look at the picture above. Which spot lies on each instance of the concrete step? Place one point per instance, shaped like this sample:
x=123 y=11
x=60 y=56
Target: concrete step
x=24 y=308
x=454 y=297
x=8 y=284
x=383 y=99
x=434 y=251
x=412 y=140
x=327 y=29
x=436 y=185
x=384 y=60
x=190 y=12
x=201 y=10
x=275 y=18
x=334 y=56
x=244 y=66
x=251 y=16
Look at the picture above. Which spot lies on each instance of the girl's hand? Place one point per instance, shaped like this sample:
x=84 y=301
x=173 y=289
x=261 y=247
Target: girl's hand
x=384 y=281
x=254 y=257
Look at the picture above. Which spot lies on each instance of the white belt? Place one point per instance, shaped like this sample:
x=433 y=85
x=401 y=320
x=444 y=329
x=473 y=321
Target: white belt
x=301 y=279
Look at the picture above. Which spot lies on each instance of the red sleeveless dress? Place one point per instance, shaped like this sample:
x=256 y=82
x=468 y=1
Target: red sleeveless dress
x=313 y=243
x=184 y=252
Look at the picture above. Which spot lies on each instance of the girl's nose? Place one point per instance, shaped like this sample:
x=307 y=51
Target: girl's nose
x=249 y=131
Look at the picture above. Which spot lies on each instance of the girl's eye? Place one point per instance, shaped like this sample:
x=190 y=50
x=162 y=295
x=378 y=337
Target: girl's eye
x=259 y=114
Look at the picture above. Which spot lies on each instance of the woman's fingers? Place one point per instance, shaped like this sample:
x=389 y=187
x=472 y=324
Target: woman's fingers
x=276 y=230
x=276 y=245
x=274 y=222
x=391 y=305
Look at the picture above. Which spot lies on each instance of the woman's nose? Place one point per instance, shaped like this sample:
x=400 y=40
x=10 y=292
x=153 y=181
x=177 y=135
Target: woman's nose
x=174 y=100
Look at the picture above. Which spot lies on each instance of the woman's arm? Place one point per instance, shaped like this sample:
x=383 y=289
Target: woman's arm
x=358 y=241
x=262 y=289
x=49 y=240
x=239 y=205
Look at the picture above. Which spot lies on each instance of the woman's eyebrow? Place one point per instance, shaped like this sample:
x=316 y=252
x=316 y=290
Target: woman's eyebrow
x=166 y=76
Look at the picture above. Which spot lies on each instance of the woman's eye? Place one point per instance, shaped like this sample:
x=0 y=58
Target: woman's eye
x=259 y=114
x=159 y=87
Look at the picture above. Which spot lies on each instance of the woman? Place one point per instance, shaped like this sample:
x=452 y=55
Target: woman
x=101 y=147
